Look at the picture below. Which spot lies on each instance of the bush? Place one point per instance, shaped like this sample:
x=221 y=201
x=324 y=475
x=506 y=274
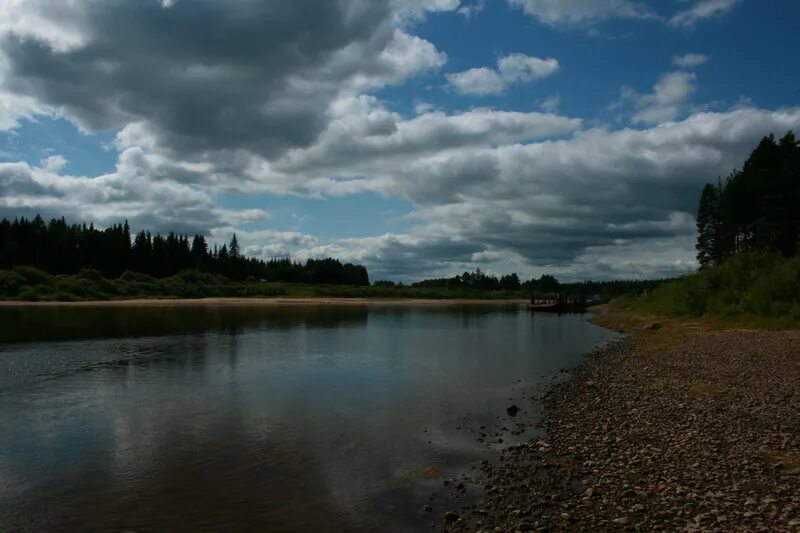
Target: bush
x=10 y=283
x=90 y=274
x=60 y=296
x=83 y=288
x=175 y=286
x=33 y=275
x=759 y=284
x=201 y=278
x=136 y=277
x=36 y=293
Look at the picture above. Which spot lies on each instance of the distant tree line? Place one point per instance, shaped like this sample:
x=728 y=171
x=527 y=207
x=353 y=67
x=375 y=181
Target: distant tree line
x=545 y=284
x=756 y=208
x=61 y=248
x=473 y=280
x=610 y=289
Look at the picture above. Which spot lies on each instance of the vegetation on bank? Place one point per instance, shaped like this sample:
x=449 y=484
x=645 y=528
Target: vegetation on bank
x=748 y=242
x=33 y=284
x=748 y=285
x=70 y=262
x=546 y=285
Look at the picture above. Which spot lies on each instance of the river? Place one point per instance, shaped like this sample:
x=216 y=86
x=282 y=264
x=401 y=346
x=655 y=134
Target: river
x=301 y=418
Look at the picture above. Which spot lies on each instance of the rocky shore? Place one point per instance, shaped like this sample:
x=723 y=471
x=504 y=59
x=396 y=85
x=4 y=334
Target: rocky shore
x=674 y=427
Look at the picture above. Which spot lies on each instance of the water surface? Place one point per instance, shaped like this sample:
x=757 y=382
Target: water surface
x=282 y=419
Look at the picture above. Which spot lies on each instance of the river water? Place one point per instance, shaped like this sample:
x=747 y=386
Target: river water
x=297 y=418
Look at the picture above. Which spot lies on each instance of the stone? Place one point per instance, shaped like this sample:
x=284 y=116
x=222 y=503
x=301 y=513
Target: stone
x=621 y=521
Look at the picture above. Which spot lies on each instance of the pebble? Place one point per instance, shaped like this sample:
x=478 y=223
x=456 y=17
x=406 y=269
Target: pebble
x=665 y=430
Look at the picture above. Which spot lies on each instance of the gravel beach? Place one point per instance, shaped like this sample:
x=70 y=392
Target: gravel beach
x=673 y=427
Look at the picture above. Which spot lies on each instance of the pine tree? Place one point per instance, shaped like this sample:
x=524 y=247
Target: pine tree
x=233 y=249
x=708 y=226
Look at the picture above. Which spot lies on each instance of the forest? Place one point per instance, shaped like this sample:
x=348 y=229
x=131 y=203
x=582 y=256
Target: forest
x=748 y=238
x=756 y=208
x=56 y=247
x=546 y=284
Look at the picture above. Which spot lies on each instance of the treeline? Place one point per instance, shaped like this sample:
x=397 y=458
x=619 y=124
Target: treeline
x=60 y=248
x=546 y=284
x=473 y=280
x=757 y=208
x=611 y=289
x=748 y=228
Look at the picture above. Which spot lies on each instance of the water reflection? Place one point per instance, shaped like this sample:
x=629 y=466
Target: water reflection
x=279 y=419
x=33 y=323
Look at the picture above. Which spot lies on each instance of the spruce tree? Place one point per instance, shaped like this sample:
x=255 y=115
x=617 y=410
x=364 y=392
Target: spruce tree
x=708 y=226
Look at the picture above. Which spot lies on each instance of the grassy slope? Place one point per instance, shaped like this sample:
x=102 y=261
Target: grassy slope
x=749 y=290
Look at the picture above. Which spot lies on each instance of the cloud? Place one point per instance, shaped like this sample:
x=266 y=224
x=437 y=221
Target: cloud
x=519 y=68
x=54 y=163
x=667 y=100
x=469 y=11
x=572 y=12
x=262 y=78
x=281 y=99
x=689 y=61
x=551 y=203
x=268 y=244
x=477 y=81
x=362 y=144
x=420 y=108
x=588 y=12
x=703 y=9
x=511 y=69
x=551 y=104
x=124 y=194
x=598 y=204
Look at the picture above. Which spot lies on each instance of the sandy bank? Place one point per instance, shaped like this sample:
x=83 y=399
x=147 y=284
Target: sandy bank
x=260 y=302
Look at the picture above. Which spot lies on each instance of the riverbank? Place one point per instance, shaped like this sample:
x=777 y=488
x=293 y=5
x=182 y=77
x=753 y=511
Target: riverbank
x=263 y=302
x=674 y=427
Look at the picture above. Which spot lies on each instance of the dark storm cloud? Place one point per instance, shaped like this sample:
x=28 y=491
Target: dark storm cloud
x=207 y=74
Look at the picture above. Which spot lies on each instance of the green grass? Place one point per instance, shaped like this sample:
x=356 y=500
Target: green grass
x=31 y=284
x=752 y=289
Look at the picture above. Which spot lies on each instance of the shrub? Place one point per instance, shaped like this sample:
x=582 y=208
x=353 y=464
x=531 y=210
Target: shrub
x=60 y=296
x=32 y=275
x=90 y=274
x=760 y=284
x=136 y=277
x=35 y=293
x=10 y=282
x=82 y=287
x=201 y=278
x=175 y=286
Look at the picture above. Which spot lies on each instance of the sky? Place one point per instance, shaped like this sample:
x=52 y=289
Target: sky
x=421 y=138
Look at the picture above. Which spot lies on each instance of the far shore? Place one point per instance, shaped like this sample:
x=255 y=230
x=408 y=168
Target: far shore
x=262 y=302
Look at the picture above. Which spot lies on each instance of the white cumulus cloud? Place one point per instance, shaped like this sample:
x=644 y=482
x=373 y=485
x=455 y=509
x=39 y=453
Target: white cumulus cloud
x=559 y=12
x=703 y=9
x=511 y=69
